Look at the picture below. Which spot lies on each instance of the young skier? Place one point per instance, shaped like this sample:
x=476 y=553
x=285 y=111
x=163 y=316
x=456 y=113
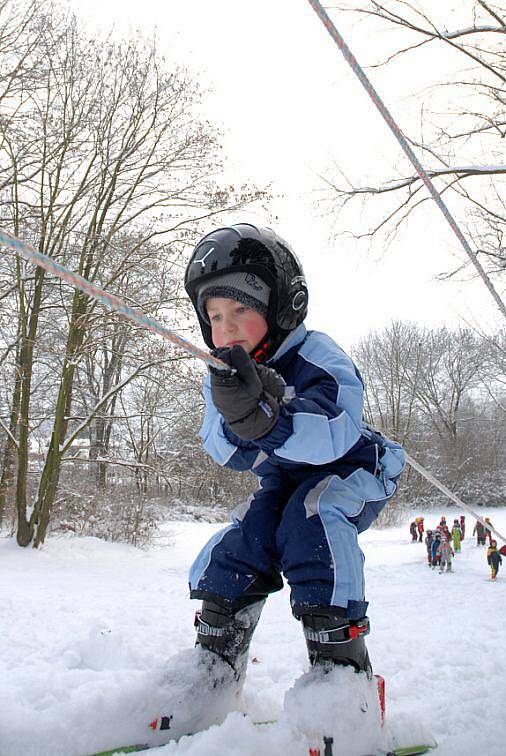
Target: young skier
x=434 y=550
x=420 y=528
x=445 y=554
x=488 y=533
x=494 y=559
x=429 y=538
x=456 y=536
x=413 y=531
x=462 y=526
x=479 y=531
x=291 y=412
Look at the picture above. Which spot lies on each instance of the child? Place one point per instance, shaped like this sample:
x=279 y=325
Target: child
x=494 y=559
x=488 y=533
x=414 y=532
x=428 y=543
x=445 y=553
x=445 y=532
x=456 y=536
x=434 y=549
x=420 y=526
x=462 y=526
x=479 y=530
x=291 y=412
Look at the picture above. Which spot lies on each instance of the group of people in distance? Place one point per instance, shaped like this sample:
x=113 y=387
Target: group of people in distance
x=442 y=544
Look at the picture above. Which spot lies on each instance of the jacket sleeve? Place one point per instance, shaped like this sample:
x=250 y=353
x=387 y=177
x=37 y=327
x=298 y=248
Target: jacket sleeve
x=223 y=446
x=324 y=419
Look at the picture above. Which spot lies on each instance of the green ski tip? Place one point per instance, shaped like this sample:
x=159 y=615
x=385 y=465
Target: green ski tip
x=412 y=750
x=124 y=749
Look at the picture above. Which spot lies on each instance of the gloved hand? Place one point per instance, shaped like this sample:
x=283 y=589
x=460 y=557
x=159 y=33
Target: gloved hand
x=248 y=400
x=272 y=382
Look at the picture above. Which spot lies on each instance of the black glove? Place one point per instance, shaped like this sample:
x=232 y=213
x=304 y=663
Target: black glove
x=248 y=405
x=272 y=382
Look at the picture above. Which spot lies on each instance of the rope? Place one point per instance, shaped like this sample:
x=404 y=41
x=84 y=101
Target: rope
x=109 y=300
x=357 y=69
x=435 y=482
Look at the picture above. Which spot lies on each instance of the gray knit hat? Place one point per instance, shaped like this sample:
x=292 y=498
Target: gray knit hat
x=243 y=286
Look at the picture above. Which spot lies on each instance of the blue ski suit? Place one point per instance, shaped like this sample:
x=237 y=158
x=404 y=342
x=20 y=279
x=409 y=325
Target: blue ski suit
x=324 y=477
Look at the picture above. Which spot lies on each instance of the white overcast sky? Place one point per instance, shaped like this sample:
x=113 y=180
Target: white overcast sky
x=288 y=104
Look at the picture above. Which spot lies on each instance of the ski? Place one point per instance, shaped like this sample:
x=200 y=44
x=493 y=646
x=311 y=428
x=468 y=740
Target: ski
x=163 y=723
x=125 y=749
x=407 y=751
x=413 y=750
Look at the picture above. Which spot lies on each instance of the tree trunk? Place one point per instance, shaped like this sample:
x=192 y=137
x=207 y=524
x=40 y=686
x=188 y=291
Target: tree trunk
x=9 y=454
x=51 y=472
x=25 y=529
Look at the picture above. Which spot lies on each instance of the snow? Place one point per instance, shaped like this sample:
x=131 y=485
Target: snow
x=87 y=629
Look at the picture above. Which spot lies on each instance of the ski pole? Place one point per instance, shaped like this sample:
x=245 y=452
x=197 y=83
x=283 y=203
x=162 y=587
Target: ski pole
x=387 y=116
x=110 y=300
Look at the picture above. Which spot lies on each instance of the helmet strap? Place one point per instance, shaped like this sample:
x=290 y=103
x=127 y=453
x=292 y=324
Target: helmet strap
x=266 y=348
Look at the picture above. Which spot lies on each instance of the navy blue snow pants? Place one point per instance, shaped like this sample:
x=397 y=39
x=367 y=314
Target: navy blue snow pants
x=309 y=534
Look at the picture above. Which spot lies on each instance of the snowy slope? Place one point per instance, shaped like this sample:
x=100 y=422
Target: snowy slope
x=86 y=629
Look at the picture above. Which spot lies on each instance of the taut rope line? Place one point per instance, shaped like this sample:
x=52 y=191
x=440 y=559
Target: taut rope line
x=110 y=300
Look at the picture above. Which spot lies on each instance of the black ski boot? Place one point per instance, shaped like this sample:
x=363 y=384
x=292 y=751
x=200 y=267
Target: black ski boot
x=335 y=640
x=338 y=696
x=226 y=633
x=202 y=685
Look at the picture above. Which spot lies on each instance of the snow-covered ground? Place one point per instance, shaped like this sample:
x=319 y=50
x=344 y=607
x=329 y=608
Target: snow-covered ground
x=87 y=629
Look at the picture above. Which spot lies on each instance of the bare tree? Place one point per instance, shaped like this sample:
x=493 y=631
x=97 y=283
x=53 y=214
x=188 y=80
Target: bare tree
x=125 y=173
x=462 y=124
x=390 y=362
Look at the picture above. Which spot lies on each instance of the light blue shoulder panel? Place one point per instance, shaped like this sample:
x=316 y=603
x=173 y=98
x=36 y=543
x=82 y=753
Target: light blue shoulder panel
x=316 y=439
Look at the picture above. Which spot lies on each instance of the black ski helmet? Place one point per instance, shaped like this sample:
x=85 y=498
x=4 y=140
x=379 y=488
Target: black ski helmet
x=244 y=247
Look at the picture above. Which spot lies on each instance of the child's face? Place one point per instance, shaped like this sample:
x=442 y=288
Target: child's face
x=234 y=323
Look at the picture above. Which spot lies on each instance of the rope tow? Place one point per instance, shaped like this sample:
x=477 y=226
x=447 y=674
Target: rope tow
x=109 y=300
x=385 y=113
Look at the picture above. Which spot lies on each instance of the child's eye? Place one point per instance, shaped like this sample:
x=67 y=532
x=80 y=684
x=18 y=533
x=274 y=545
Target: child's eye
x=215 y=318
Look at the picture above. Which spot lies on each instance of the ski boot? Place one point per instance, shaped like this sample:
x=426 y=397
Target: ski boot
x=332 y=640
x=203 y=684
x=338 y=698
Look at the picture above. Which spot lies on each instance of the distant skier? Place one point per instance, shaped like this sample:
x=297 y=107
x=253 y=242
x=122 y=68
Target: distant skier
x=445 y=553
x=488 y=533
x=414 y=532
x=445 y=532
x=420 y=528
x=290 y=411
x=494 y=559
x=429 y=538
x=434 y=550
x=479 y=531
x=462 y=526
x=456 y=536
